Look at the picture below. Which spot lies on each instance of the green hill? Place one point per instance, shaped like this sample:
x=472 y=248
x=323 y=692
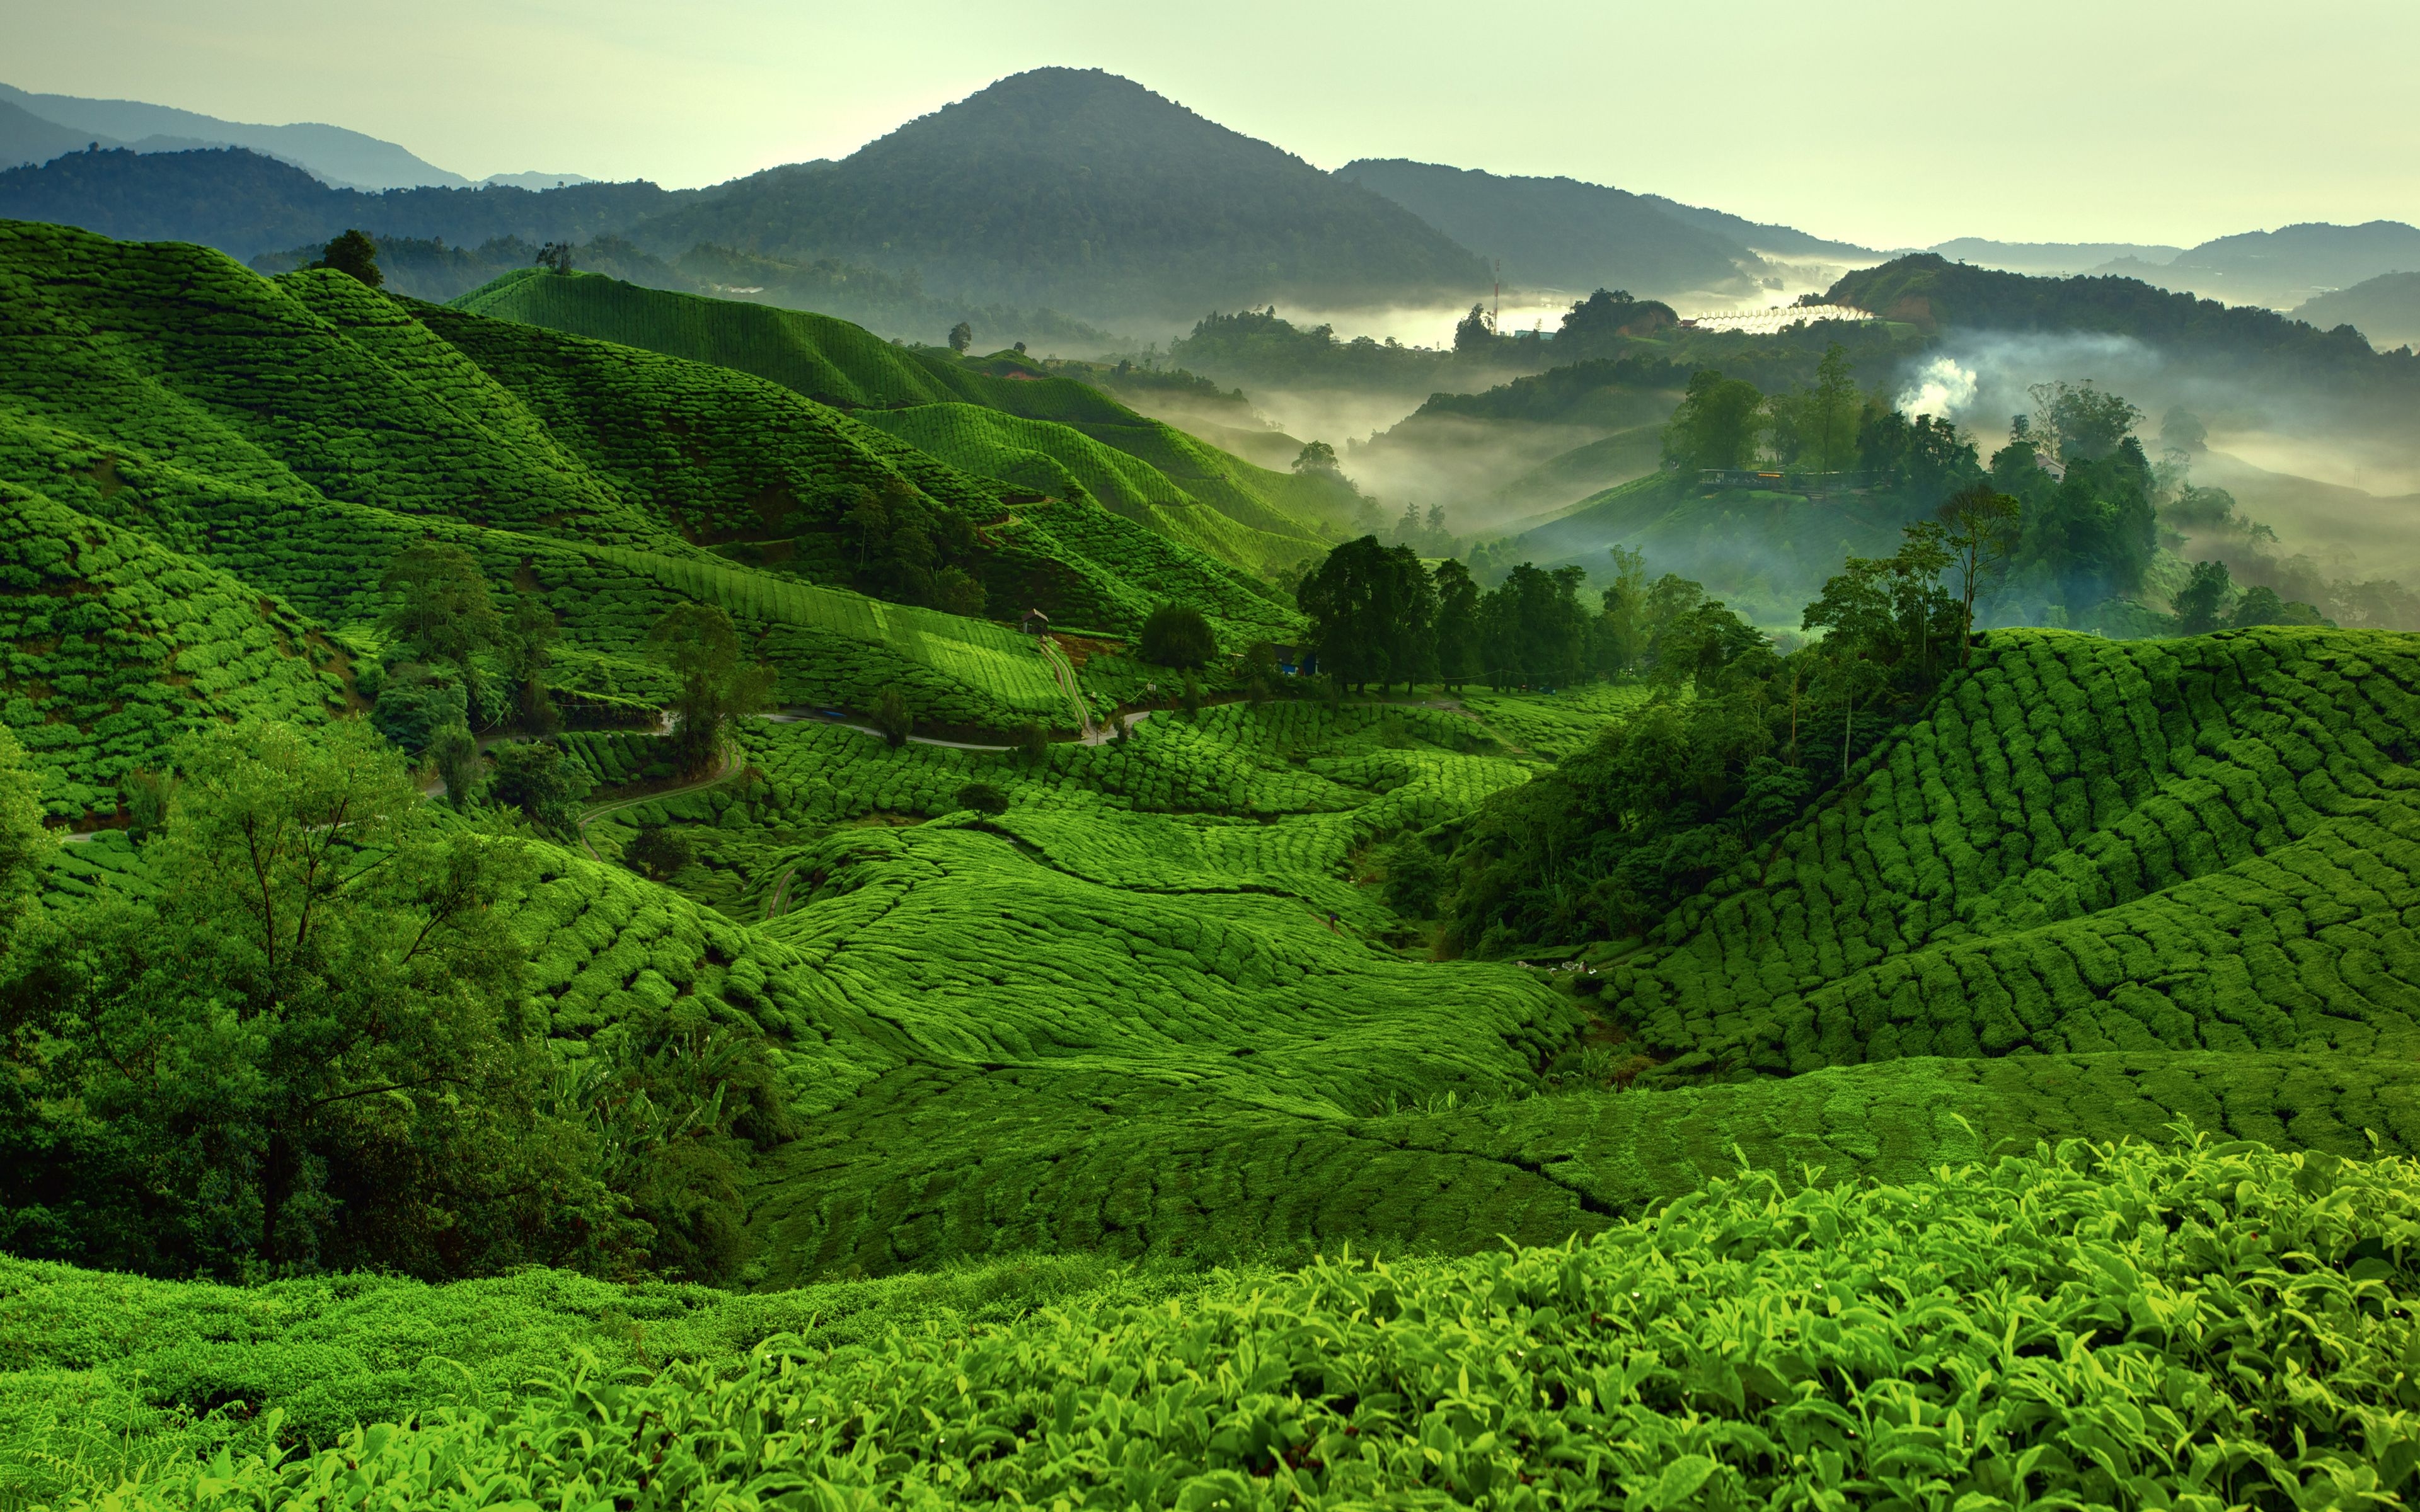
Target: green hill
x=2087 y=846
x=291 y=434
x=1049 y=435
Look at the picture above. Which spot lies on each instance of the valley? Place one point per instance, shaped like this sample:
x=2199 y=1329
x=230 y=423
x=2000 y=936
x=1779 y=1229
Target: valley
x=859 y=839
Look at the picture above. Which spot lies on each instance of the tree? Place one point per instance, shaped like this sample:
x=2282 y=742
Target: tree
x=962 y=336
x=1476 y=331
x=982 y=798
x=1457 y=624
x=1176 y=634
x=1532 y=631
x=353 y=254
x=893 y=719
x=2081 y=421
x=869 y=521
x=555 y=255
x=440 y=609
x=1621 y=625
x=1032 y=743
x=957 y=591
x=455 y=752
x=659 y=852
x=1715 y=425
x=1983 y=531
x=2201 y=604
x=301 y=1050
x=717 y=685
x=24 y=840
x=528 y=650
x=2263 y=605
x=1373 y=612
x=533 y=776
x=1316 y=457
x=1831 y=421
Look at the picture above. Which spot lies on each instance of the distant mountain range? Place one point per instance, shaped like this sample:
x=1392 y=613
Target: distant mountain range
x=2280 y=268
x=35 y=128
x=245 y=203
x=1059 y=190
x=1563 y=233
x=2050 y=257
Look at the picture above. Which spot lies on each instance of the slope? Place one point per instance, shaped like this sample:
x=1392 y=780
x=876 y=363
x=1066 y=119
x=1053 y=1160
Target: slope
x=2089 y=846
x=2386 y=309
x=1087 y=192
x=1561 y=233
x=294 y=434
x=1063 y=431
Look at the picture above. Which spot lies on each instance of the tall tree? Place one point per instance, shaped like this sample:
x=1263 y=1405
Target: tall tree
x=1457 y=624
x=1983 y=526
x=440 y=608
x=717 y=684
x=2201 y=604
x=1716 y=423
x=962 y=336
x=1340 y=598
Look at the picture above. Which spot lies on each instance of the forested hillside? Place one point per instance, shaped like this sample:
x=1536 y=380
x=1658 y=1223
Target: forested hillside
x=244 y=203
x=1086 y=191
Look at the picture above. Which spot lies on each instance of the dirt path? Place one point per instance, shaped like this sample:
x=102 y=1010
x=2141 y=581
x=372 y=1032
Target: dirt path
x=728 y=769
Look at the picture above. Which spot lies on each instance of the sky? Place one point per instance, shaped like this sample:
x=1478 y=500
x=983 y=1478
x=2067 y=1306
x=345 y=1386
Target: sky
x=1881 y=122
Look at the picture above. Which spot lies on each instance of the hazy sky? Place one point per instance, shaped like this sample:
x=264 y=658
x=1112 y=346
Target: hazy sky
x=1883 y=122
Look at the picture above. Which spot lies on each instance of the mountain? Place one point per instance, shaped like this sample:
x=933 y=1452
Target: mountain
x=2287 y=266
x=2051 y=256
x=2386 y=309
x=245 y=203
x=1561 y=233
x=1090 y=193
x=344 y=158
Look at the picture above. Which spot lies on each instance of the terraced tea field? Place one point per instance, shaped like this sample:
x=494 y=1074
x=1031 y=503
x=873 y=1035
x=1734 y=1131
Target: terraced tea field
x=2031 y=1122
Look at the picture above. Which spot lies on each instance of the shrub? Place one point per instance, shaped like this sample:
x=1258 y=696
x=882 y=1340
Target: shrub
x=1176 y=634
x=983 y=798
x=415 y=705
x=656 y=852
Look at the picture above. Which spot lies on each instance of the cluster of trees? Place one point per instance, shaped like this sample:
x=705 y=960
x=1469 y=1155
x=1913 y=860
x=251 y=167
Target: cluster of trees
x=1737 y=738
x=1378 y=615
x=1827 y=425
x=897 y=545
x=306 y=1046
x=453 y=658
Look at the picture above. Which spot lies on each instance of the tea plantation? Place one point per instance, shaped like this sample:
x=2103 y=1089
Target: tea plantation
x=2034 y=1119
x=1044 y=434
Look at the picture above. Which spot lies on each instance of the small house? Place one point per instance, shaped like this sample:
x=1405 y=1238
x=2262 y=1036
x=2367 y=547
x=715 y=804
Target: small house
x=1035 y=623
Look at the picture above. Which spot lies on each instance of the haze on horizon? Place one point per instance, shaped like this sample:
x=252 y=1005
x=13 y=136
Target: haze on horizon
x=1877 y=121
